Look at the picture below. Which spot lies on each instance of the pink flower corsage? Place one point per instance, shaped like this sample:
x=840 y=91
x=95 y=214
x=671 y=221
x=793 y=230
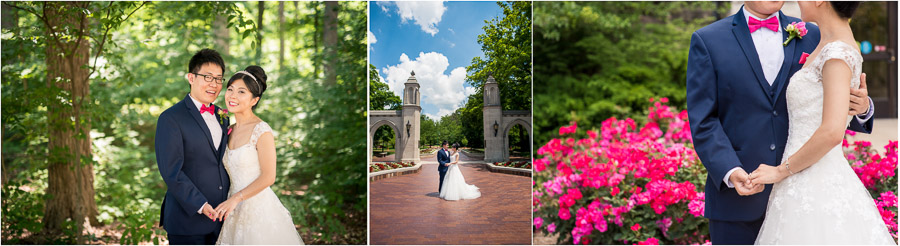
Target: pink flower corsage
x=223 y=113
x=795 y=30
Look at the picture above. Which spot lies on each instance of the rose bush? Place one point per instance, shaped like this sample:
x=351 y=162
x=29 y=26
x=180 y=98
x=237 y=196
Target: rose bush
x=515 y=164
x=381 y=166
x=643 y=184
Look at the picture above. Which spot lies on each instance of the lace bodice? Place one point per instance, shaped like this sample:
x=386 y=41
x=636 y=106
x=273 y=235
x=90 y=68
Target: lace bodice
x=805 y=92
x=827 y=196
x=260 y=219
x=242 y=163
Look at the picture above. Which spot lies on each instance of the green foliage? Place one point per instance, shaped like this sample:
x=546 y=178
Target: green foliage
x=332 y=154
x=380 y=95
x=603 y=59
x=381 y=98
x=428 y=133
x=319 y=129
x=506 y=43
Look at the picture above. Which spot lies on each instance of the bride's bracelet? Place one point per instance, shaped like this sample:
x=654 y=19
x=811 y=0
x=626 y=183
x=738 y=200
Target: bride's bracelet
x=242 y=195
x=787 y=165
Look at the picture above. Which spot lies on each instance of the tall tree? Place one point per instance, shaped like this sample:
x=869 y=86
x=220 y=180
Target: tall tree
x=259 y=30
x=380 y=95
x=506 y=44
x=69 y=29
x=281 y=37
x=220 y=25
x=71 y=180
x=329 y=39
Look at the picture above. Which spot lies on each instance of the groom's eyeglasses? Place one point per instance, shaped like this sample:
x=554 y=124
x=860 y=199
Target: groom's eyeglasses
x=210 y=78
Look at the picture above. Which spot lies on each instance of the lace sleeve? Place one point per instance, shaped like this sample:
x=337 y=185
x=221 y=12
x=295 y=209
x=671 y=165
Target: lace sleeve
x=844 y=52
x=258 y=130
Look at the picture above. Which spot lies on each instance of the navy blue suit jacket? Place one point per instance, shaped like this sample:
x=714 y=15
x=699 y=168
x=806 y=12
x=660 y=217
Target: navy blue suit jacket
x=443 y=158
x=737 y=119
x=191 y=167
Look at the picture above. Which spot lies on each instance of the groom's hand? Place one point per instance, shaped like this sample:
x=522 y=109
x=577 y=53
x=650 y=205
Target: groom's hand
x=209 y=212
x=741 y=181
x=859 y=98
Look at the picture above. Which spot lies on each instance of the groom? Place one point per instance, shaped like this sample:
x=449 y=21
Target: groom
x=443 y=158
x=190 y=141
x=736 y=79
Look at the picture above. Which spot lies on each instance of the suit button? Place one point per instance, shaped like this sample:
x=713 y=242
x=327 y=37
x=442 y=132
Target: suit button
x=775 y=113
x=220 y=187
x=771 y=147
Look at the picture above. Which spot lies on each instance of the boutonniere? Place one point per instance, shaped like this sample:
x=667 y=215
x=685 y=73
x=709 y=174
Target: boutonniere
x=223 y=113
x=803 y=58
x=795 y=30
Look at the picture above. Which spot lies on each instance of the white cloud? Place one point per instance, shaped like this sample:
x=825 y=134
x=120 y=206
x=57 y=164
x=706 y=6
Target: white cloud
x=372 y=38
x=426 y=14
x=384 y=6
x=444 y=91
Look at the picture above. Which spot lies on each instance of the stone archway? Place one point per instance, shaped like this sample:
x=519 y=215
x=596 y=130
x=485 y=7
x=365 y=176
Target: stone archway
x=513 y=120
x=497 y=123
x=392 y=123
x=406 y=123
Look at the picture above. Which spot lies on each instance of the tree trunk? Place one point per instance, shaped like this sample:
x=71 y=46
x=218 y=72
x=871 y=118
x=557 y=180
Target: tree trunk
x=316 y=59
x=70 y=185
x=329 y=39
x=259 y=32
x=10 y=17
x=9 y=20
x=220 y=24
x=281 y=37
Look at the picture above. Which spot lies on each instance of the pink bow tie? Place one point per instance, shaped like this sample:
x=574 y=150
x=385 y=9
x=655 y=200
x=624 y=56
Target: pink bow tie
x=204 y=109
x=771 y=23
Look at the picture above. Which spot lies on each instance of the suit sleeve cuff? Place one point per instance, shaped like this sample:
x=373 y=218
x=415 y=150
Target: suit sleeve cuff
x=862 y=118
x=728 y=176
x=200 y=211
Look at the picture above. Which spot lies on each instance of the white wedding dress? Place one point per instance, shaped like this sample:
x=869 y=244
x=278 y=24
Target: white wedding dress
x=260 y=219
x=825 y=203
x=455 y=186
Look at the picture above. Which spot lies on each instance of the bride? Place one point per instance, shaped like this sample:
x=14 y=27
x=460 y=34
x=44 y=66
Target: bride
x=455 y=186
x=252 y=214
x=817 y=198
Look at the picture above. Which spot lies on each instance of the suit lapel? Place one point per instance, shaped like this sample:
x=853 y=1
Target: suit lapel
x=224 y=139
x=742 y=34
x=781 y=80
x=195 y=113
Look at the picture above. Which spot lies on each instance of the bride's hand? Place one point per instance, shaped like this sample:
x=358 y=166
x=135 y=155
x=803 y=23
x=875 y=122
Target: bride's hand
x=766 y=174
x=225 y=208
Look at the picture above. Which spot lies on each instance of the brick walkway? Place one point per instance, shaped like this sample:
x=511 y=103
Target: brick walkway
x=407 y=209
x=432 y=157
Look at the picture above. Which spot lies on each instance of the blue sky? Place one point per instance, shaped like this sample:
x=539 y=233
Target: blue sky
x=436 y=39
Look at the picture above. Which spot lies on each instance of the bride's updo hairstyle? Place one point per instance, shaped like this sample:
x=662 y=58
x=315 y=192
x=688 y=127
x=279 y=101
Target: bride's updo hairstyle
x=456 y=146
x=845 y=9
x=254 y=78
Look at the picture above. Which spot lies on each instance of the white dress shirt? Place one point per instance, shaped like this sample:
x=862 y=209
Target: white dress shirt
x=770 y=49
x=215 y=130
x=769 y=46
